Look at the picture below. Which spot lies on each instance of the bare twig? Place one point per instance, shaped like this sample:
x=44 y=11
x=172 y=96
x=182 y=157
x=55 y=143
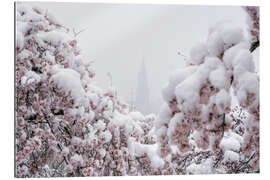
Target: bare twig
x=77 y=33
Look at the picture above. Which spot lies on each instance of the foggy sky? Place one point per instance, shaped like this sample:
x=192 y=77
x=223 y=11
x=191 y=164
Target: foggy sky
x=119 y=36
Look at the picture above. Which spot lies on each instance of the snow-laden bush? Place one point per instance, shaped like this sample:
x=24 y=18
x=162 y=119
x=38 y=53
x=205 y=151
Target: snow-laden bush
x=196 y=116
x=65 y=124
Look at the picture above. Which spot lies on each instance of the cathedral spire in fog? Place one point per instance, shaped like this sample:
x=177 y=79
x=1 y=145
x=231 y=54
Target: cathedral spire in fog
x=142 y=91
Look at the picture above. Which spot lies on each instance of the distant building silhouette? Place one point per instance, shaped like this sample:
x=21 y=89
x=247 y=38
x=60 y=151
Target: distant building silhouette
x=142 y=92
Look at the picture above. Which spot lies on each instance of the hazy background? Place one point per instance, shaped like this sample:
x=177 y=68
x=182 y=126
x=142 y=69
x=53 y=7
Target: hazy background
x=119 y=36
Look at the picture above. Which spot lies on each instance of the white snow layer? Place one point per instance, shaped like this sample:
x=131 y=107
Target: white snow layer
x=30 y=77
x=54 y=37
x=77 y=159
x=223 y=100
x=222 y=36
x=231 y=141
x=203 y=168
x=229 y=144
x=198 y=53
x=69 y=81
x=218 y=77
x=150 y=149
x=230 y=156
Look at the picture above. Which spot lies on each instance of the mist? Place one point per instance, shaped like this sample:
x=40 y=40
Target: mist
x=119 y=37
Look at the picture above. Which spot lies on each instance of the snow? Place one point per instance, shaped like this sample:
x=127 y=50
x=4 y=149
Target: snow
x=65 y=151
x=131 y=146
x=69 y=81
x=76 y=160
x=256 y=58
x=22 y=27
x=131 y=122
x=174 y=149
x=29 y=14
x=230 y=53
x=104 y=103
x=230 y=156
x=106 y=135
x=198 y=53
x=151 y=116
x=231 y=141
x=175 y=78
x=211 y=63
x=100 y=125
x=164 y=116
x=156 y=161
x=122 y=120
x=218 y=77
x=222 y=36
x=30 y=77
x=188 y=93
x=243 y=62
x=54 y=37
x=89 y=116
x=102 y=152
x=173 y=123
x=24 y=54
x=93 y=97
x=179 y=75
x=52 y=18
x=249 y=82
x=215 y=44
x=76 y=141
x=203 y=168
x=49 y=57
x=223 y=100
x=137 y=128
x=231 y=34
x=150 y=149
x=136 y=115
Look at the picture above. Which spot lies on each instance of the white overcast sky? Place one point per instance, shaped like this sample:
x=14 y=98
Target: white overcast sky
x=119 y=36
